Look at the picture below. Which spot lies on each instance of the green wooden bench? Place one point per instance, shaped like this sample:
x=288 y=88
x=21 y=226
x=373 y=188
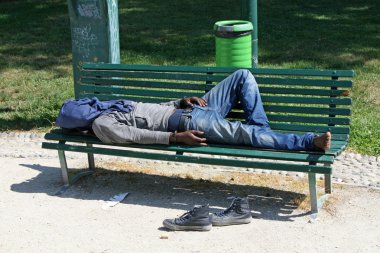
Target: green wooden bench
x=295 y=100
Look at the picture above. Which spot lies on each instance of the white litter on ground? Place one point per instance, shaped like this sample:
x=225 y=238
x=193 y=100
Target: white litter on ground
x=113 y=201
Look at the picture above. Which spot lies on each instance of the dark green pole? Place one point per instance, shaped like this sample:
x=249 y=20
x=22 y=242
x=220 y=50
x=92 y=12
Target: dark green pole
x=94 y=33
x=249 y=13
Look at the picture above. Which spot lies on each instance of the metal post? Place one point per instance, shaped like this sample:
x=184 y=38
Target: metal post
x=328 y=183
x=94 y=33
x=249 y=12
x=63 y=163
x=313 y=192
x=91 y=159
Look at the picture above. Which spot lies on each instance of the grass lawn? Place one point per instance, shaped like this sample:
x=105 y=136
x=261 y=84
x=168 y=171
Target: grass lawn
x=35 y=50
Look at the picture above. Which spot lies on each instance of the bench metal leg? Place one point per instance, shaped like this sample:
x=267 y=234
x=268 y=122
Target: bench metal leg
x=314 y=201
x=328 y=183
x=313 y=193
x=91 y=160
x=65 y=172
x=63 y=163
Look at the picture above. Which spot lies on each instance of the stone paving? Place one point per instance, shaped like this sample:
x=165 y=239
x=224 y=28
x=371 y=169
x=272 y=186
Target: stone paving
x=349 y=168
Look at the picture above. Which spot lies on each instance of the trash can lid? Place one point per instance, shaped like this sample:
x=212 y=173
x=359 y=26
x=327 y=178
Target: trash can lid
x=233 y=26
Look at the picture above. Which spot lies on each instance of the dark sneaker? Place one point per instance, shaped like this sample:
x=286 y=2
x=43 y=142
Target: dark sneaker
x=237 y=213
x=197 y=219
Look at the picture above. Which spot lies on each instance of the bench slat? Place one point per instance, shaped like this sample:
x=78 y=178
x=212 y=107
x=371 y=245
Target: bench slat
x=304 y=82
x=306 y=100
x=203 y=87
x=210 y=78
x=295 y=118
x=89 y=89
x=267 y=71
x=309 y=128
x=260 y=80
x=307 y=110
x=139 y=92
x=307 y=119
x=304 y=109
x=129 y=97
x=313 y=92
x=144 y=84
x=153 y=75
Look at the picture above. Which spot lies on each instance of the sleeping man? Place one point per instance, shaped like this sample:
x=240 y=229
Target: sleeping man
x=199 y=121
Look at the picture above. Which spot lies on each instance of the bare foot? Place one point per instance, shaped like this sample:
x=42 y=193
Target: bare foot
x=323 y=142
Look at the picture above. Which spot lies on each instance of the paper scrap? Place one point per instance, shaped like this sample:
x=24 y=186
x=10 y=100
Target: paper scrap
x=113 y=201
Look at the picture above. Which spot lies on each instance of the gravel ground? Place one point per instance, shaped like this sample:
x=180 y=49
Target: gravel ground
x=349 y=168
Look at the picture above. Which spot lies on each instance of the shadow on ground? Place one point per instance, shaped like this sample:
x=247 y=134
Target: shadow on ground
x=164 y=192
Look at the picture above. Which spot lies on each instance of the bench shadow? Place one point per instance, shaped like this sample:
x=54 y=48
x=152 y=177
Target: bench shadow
x=165 y=192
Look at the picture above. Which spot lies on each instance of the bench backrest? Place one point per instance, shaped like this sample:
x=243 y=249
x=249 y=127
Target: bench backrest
x=295 y=99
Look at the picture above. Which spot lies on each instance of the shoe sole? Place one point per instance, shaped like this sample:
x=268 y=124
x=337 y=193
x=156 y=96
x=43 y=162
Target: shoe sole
x=227 y=223
x=186 y=228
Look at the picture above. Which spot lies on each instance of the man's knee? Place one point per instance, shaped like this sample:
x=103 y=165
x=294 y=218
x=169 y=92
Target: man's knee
x=243 y=73
x=244 y=76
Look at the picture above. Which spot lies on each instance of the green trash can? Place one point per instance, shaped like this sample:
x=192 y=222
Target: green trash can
x=233 y=43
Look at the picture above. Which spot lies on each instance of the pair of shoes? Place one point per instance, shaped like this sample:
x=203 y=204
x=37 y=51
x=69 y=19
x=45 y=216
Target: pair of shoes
x=198 y=218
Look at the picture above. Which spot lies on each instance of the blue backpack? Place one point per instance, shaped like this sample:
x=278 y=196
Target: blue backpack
x=80 y=113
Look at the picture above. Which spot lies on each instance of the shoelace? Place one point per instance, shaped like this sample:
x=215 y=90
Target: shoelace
x=227 y=211
x=185 y=216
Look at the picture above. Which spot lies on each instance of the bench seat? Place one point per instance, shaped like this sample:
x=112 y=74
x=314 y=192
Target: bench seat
x=223 y=150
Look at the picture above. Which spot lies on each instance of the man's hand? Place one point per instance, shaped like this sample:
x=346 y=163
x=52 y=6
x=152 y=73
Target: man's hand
x=190 y=137
x=191 y=101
